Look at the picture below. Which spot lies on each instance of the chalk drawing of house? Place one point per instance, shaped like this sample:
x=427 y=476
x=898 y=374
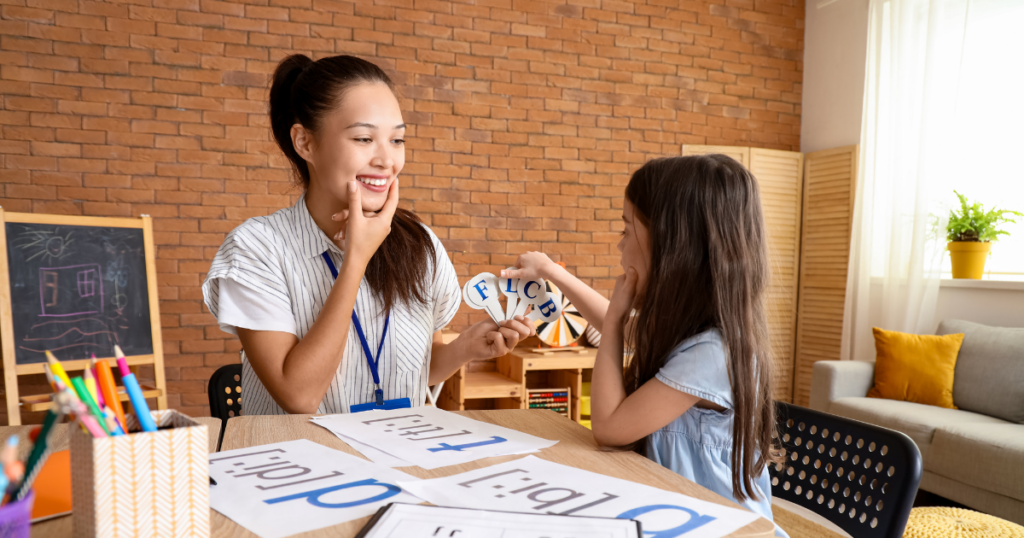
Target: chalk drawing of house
x=70 y=291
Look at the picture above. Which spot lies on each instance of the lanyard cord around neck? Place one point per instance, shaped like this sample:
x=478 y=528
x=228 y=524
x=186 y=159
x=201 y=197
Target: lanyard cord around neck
x=370 y=360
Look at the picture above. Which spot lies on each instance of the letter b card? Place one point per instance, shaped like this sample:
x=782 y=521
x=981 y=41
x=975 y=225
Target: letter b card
x=282 y=489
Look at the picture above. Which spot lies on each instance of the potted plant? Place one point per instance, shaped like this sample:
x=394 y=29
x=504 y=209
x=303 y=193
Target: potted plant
x=970 y=233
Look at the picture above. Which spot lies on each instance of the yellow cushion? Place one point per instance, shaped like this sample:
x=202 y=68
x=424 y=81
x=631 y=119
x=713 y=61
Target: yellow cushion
x=915 y=368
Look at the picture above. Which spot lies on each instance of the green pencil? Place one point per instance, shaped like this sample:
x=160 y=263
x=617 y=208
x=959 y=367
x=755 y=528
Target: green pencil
x=83 y=394
x=38 y=450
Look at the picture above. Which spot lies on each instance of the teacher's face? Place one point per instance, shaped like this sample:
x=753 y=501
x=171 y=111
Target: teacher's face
x=362 y=140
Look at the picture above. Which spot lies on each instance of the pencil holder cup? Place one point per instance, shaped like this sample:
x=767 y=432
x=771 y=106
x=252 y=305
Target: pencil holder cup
x=16 y=517
x=142 y=484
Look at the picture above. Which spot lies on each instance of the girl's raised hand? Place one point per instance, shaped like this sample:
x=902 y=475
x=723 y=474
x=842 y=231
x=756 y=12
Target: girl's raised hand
x=364 y=231
x=622 y=300
x=530 y=266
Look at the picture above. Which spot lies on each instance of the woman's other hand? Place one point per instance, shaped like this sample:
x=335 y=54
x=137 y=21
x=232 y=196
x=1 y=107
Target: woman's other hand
x=363 y=232
x=530 y=266
x=485 y=340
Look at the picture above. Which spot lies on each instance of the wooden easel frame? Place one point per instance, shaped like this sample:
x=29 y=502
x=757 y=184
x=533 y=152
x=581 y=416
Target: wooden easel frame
x=12 y=370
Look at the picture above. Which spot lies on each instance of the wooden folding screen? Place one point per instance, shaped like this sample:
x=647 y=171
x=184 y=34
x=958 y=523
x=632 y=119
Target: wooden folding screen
x=829 y=180
x=780 y=177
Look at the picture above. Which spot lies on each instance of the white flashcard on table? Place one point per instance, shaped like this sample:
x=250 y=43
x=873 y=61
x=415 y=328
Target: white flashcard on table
x=481 y=292
x=282 y=489
x=375 y=455
x=422 y=521
x=539 y=486
x=430 y=437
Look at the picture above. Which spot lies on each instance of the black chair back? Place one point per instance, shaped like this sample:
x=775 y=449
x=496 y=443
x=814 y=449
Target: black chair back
x=859 y=476
x=225 y=391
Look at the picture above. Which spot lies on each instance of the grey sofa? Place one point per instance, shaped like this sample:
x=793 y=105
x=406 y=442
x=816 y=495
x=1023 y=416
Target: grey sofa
x=973 y=455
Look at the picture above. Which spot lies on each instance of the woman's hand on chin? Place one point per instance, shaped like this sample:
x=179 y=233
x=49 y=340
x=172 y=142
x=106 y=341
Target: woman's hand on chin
x=486 y=340
x=363 y=232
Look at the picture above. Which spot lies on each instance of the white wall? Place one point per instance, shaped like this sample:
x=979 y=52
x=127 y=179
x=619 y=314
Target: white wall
x=997 y=304
x=996 y=307
x=835 y=51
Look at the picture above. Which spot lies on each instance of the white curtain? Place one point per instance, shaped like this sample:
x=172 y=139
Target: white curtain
x=898 y=236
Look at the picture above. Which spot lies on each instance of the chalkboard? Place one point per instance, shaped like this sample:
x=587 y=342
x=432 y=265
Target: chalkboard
x=77 y=290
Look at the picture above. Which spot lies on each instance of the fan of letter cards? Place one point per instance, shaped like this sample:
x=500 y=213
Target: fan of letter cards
x=557 y=321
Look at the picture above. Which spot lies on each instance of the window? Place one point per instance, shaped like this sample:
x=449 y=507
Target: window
x=988 y=124
x=87 y=283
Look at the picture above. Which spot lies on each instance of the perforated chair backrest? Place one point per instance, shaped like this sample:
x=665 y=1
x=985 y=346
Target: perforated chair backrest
x=859 y=476
x=225 y=391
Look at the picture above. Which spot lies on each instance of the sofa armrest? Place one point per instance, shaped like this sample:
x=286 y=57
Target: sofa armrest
x=840 y=379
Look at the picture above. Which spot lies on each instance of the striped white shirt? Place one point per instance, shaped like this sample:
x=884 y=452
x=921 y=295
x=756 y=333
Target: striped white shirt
x=278 y=258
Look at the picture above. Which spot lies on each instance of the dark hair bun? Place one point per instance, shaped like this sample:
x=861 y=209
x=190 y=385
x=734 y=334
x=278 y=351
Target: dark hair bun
x=282 y=112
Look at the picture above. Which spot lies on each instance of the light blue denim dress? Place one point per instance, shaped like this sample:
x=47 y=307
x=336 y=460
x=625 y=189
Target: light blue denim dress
x=698 y=444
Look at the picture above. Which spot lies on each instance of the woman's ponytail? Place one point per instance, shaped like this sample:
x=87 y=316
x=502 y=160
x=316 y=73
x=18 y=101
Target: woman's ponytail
x=282 y=109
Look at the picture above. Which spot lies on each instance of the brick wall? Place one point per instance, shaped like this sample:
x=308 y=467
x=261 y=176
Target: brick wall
x=527 y=118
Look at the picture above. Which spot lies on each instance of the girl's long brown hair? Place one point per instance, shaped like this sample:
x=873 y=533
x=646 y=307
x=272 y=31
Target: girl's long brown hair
x=708 y=270
x=303 y=92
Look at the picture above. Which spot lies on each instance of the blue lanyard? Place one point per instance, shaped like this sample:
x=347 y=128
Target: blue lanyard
x=373 y=363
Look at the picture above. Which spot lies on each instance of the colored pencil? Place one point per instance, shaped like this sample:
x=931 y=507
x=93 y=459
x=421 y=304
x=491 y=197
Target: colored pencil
x=93 y=387
x=108 y=387
x=90 y=385
x=39 y=450
x=131 y=385
x=57 y=369
x=83 y=395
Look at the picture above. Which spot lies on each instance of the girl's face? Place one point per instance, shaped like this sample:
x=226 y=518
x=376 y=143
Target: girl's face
x=635 y=247
x=361 y=140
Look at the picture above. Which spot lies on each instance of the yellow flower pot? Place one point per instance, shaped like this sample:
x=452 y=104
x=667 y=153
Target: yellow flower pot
x=968 y=258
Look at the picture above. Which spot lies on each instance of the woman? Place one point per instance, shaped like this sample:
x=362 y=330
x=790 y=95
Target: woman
x=339 y=300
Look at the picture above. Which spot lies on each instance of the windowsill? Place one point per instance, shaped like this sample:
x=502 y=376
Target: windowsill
x=981 y=284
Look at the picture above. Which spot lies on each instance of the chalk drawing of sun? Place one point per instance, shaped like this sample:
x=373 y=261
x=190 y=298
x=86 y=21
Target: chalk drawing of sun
x=48 y=245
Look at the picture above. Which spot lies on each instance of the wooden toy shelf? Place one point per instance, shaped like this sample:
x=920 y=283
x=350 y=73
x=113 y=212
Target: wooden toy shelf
x=519 y=371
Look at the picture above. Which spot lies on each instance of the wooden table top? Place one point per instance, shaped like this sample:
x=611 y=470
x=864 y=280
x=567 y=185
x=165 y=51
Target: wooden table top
x=61 y=526
x=575 y=448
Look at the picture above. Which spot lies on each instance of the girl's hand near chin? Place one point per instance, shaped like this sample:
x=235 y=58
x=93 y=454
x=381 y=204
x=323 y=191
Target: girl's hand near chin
x=622 y=300
x=530 y=266
x=363 y=231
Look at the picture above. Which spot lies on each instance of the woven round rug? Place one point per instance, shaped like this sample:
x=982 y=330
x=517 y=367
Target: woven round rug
x=943 y=522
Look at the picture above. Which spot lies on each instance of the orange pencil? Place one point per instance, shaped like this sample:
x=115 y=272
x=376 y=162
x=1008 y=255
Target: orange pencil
x=105 y=379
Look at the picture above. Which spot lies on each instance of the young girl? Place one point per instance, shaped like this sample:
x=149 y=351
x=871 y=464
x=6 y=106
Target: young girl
x=339 y=300
x=696 y=395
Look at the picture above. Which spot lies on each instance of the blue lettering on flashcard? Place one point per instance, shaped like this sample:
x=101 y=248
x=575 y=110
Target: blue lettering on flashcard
x=547 y=308
x=526 y=289
x=509 y=282
x=458 y=448
x=313 y=497
x=696 y=520
x=481 y=287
